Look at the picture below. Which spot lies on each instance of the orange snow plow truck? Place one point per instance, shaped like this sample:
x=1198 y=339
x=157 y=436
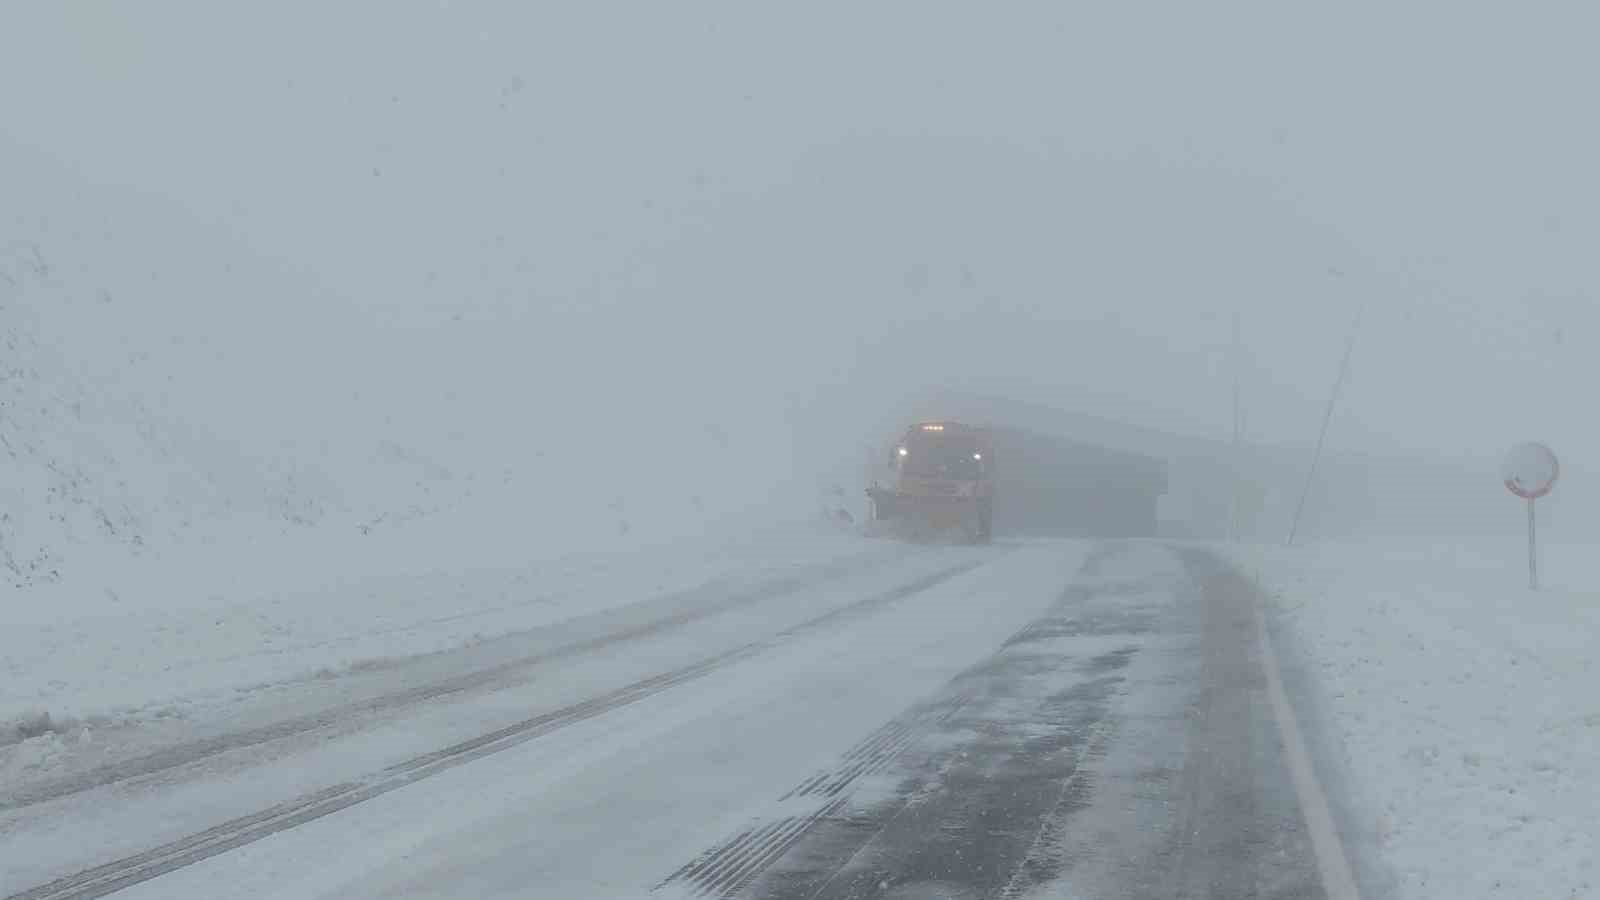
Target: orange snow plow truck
x=943 y=482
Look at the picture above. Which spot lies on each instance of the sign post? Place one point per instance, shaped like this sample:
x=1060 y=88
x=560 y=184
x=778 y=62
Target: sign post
x=1530 y=470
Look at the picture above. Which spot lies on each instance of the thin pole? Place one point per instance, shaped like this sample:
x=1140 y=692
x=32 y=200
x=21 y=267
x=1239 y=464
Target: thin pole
x=1233 y=507
x=1322 y=436
x=1533 y=549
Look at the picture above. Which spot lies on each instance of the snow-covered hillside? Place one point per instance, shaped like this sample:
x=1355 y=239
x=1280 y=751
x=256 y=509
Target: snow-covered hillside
x=193 y=433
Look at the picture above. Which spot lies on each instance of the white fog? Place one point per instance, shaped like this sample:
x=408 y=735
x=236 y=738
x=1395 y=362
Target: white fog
x=380 y=375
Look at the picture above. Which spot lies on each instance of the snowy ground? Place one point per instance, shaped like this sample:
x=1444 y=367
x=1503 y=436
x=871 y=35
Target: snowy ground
x=102 y=677
x=843 y=612
x=1465 y=705
x=1029 y=719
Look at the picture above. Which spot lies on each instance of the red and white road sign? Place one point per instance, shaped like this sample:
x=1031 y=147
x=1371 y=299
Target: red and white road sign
x=1530 y=470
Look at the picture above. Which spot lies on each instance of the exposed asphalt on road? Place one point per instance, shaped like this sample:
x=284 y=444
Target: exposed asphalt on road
x=1122 y=746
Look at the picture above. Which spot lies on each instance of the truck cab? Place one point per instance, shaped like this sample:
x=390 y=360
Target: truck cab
x=943 y=480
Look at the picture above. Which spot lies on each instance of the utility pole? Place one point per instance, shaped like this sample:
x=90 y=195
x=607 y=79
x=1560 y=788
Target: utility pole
x=1322 y=436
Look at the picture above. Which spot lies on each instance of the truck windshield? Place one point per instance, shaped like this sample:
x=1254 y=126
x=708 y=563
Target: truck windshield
x=930 y=455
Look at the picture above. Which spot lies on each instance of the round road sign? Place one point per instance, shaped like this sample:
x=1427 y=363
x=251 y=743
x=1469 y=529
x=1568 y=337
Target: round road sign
x=1530 y=470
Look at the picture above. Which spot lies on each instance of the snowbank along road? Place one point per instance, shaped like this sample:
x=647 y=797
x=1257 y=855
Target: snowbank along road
x=1028 y=720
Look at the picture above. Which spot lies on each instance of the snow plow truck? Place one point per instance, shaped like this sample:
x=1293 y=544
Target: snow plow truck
x=942 y=483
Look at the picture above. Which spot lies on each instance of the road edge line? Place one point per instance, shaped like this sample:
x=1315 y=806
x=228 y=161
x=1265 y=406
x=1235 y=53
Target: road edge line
x=1333 y=864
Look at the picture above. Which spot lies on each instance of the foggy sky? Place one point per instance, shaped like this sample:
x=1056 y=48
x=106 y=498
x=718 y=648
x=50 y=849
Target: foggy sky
x=1064 y=200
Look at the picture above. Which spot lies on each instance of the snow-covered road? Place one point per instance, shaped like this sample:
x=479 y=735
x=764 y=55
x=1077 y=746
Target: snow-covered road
x=1028 y=719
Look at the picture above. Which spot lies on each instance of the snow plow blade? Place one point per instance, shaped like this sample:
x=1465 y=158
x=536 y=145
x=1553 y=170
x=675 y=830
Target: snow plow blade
x=924 y=518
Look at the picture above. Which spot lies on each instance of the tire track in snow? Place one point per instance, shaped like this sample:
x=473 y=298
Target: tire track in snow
x=1028 y=785
x=966 y=715
x=498 y=675
x=728 y=868
x=114 y=876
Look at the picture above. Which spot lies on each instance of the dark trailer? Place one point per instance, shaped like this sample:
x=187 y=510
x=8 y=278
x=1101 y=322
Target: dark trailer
x=1051 y=486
